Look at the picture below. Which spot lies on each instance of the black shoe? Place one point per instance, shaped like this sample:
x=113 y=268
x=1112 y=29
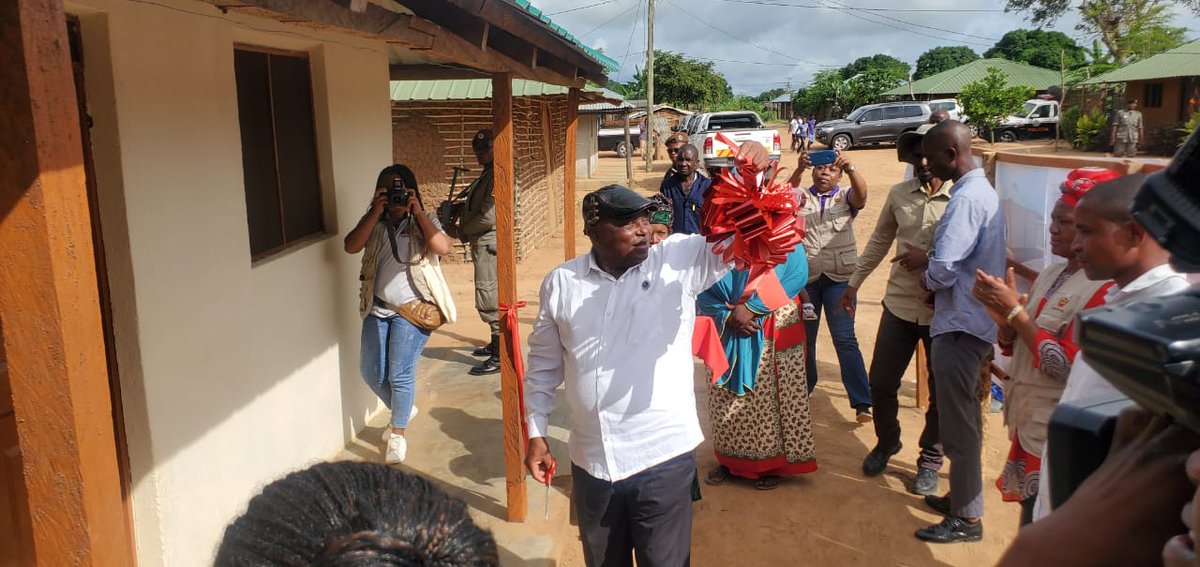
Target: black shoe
x=489 y=366
x=939 y=504
x=878 y=458
x=485 y=350
x=951 y=530
x=926 y=482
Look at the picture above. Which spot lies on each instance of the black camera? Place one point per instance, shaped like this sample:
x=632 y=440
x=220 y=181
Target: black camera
x=1148 y=350
x=397 y=194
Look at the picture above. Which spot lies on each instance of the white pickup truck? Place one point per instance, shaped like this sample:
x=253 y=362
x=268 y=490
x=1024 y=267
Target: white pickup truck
x=738 y=126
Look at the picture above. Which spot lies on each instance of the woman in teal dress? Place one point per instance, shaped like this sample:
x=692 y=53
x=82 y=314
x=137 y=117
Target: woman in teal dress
x=762 y=429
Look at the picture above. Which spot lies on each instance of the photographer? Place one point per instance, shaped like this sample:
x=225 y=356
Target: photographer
x=403 y=295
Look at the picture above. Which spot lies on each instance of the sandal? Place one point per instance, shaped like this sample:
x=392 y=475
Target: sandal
x=717 y=476
x=767 y=483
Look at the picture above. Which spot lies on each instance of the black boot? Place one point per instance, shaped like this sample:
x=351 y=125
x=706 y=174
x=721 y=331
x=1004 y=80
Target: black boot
x=485 y=350
x=492 y=364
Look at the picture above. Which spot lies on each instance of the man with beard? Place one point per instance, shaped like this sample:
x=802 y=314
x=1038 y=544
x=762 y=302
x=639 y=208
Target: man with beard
x=909 y=218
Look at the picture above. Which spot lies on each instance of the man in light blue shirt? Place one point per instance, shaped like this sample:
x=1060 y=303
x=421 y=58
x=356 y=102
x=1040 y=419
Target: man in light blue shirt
x=970 y=237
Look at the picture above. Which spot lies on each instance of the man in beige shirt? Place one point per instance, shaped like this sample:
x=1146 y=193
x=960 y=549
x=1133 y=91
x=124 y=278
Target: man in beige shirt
x=909 y=217
x=1127 y=131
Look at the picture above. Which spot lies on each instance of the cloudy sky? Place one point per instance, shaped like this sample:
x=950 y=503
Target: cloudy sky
x=762 y=44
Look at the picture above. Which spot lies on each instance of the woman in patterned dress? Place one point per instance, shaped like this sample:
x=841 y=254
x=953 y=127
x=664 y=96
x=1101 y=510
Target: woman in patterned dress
x=762 y=429
x=1040 y=340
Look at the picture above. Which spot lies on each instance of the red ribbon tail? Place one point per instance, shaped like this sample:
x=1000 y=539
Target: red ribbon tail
x=513 y=326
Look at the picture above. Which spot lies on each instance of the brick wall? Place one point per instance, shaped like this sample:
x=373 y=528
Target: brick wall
x=433 y=137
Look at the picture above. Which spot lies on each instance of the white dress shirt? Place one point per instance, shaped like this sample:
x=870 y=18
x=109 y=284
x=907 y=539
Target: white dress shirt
x=1084 y=381
x=623 y=346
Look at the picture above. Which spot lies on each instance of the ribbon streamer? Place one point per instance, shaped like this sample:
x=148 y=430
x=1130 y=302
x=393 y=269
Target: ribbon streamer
x=512 y=325
x=758 y=219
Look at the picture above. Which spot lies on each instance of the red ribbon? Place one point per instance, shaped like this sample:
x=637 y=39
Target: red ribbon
x=760 y=218
x=512 y=325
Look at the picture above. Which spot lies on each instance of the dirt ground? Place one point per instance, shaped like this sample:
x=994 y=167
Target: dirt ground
x=834 y=516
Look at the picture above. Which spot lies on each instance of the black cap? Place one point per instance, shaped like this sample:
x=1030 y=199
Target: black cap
x=482 y=138
x=615 y=202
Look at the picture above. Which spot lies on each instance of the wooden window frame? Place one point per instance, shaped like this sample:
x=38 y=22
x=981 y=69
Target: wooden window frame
x=264 y=256
x=1153 y=99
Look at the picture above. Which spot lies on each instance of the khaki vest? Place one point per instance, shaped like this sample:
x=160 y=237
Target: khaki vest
x=829 y=237
x=1031 y=395
x=376 y=244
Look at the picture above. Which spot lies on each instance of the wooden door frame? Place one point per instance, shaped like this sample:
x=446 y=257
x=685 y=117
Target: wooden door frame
x=54 y=337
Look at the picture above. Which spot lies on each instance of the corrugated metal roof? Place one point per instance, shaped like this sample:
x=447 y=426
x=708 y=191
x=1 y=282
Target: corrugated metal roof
x=1183 y=61
x=609 y=63
x=480 y=89
x=785 y=97
x=953 y=80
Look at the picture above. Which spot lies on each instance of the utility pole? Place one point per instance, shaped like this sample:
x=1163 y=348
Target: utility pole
x=648 y=151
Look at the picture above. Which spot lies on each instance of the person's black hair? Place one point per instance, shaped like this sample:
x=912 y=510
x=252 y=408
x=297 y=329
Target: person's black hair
x=355 y=514
x=405 y=174
x=1113 y=200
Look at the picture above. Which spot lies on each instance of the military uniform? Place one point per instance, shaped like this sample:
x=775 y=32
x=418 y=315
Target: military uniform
x=478 y=227
x=1128 y=133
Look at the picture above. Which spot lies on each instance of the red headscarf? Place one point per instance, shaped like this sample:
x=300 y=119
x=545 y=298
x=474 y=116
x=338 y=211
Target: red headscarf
x=1081 y=180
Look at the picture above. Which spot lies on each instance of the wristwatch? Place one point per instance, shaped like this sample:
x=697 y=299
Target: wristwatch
x=849 y=168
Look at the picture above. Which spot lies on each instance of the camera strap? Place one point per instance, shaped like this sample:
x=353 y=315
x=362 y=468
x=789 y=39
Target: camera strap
x=392 y=229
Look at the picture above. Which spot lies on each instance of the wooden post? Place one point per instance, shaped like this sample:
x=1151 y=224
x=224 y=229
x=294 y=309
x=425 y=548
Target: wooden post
x=53 y=337
x=628 y=151
x=922 y=376
x=506 y=254
x=569 y=174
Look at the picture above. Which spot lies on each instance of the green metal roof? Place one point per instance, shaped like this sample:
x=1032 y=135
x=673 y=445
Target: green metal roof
x=609 y=63
x=1183 y=61
x=953 y=80
x=479 y=89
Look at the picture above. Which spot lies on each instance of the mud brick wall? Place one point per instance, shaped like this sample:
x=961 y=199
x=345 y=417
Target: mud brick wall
x=433 y=137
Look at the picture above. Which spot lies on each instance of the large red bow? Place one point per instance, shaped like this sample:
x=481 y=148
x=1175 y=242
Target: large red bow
x=511 y=323
x=760 y=218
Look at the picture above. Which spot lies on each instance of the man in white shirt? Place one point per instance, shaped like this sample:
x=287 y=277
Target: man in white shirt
x=615 y=327
x=1110 y=244
x=795 y=130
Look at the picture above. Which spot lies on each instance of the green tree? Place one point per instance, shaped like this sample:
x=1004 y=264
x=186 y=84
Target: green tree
x=943 y=58
x=1145 y=23
x=989 y=100
x=882 y=64
x=830 y=88
x=1040 y=48
x=681 y=81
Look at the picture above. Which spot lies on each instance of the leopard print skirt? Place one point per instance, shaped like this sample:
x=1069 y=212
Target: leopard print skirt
x=767 y=431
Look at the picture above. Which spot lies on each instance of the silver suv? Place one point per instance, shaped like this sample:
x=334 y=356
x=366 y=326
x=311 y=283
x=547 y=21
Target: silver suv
x=873 y=124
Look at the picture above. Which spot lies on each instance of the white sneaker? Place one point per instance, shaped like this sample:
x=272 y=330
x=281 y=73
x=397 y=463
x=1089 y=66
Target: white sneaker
x=387 y=429
x=397 y=449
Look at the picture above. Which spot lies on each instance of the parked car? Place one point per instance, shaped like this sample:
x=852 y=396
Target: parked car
x=1038 y=118
x=613 y=140
x=873 y=124
x=950 y=105
x=738 y=126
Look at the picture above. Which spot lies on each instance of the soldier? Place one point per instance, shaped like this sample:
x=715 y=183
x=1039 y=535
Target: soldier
x=478 y=228
x=1127 y=130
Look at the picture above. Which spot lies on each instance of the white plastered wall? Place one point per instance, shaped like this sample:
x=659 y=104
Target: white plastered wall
x=232 y=374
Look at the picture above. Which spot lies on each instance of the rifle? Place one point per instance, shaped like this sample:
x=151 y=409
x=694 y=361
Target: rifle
x=450 y=209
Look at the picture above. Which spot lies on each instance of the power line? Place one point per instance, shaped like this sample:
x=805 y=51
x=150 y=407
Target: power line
x=918 y=25
x=707 y=59
x=632 y=29
x=822 y=7
x=744 y=40
x=864 y=18
x=569 y=10
x=636 y=5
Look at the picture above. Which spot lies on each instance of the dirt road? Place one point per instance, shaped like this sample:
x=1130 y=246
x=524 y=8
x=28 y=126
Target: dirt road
x=834 y=516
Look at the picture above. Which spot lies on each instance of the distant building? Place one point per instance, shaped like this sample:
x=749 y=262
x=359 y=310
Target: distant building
x=1167 y=85
x=949 y=83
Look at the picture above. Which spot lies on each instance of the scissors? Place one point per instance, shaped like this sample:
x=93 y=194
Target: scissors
x=549 y=480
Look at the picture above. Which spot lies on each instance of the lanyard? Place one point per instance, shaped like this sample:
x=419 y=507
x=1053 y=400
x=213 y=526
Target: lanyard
x=824 y=198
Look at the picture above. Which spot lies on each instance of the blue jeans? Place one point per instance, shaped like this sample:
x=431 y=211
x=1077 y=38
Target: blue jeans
x=825 y=294
x=390 y=348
